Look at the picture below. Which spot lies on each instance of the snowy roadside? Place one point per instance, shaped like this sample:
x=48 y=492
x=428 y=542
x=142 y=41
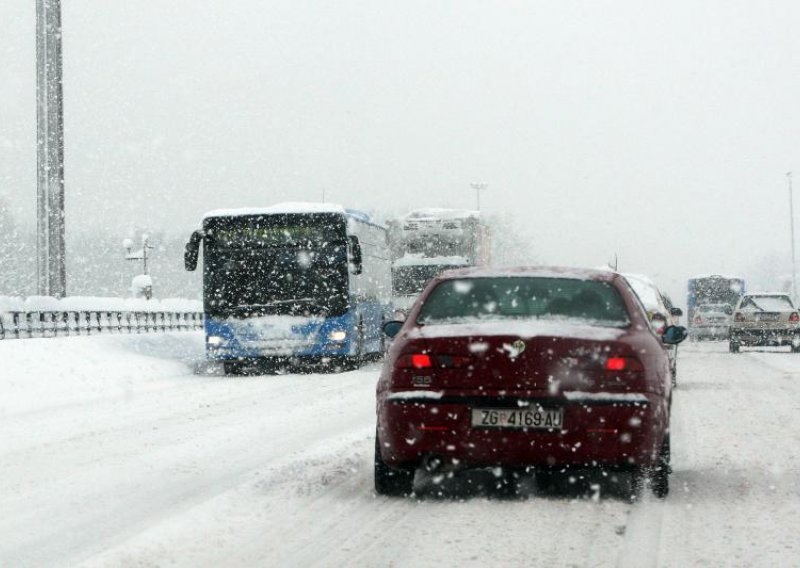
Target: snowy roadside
x=133 y=459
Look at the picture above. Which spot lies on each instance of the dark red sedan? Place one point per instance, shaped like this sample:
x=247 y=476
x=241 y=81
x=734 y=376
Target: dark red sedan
x=540 y=369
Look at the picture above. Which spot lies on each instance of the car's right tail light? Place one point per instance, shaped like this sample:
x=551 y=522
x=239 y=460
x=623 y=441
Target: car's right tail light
x=623 y=364
x=738 y=316
x=698 y=320
x=794 y=318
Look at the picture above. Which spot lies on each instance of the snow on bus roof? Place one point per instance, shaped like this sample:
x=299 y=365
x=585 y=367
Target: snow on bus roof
x=281 y=208
x=440 y=213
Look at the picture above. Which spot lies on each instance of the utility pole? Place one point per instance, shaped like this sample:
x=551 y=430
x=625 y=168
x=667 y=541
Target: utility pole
x=50 y=241
x=791 y=225
x=478 y=187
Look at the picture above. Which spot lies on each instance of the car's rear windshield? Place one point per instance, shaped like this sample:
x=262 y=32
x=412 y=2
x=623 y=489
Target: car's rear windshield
x=715 y=308
x=766 y=303
x=502 y=298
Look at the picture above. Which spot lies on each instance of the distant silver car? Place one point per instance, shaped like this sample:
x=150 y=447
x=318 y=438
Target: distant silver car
x=711 y=321
x=660 y=312
x=765 y=319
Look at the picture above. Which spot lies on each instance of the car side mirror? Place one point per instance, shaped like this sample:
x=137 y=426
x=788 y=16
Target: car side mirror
x=674 y=334
x=676 y=312
x=392 y=328
x=355 y=259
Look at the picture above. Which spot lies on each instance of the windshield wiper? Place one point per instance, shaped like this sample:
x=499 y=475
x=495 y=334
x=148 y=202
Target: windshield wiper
x=309 y=302
x=273 y=304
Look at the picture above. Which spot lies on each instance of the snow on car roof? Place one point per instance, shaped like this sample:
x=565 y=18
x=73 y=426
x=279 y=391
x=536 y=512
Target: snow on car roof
x=533 y=271
x=280 y=208
x=526 y=329
x=766 y=294
x=646 y=289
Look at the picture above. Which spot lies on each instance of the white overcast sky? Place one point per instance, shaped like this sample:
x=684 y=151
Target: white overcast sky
x=661 y=131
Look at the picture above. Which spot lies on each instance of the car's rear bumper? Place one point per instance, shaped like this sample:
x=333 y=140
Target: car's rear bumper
x=765 y=335
x=598 y=430
x=710 y=331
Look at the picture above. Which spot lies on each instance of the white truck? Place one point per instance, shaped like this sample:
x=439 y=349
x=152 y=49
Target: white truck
x=426 y=242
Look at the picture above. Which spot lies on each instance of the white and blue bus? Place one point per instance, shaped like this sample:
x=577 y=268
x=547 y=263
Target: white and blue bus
x=292 y=283
x=713 y=289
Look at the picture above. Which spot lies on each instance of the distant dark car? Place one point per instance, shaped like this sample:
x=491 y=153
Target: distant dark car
x=525 y=369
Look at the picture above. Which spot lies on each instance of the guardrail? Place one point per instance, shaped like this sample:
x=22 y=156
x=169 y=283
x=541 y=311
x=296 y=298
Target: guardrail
x=51 y=323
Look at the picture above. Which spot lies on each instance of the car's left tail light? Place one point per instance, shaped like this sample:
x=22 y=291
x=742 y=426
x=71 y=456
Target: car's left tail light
x=431 y=361
x=794 y=318
x=738 y=316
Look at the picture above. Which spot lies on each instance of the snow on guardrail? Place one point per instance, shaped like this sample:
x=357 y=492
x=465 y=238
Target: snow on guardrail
x=44 y=316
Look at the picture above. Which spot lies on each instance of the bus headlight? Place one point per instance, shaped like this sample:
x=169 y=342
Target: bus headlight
x=337 y=335
x=215 y=340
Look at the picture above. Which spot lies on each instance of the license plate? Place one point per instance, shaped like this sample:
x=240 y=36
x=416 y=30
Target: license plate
x=522 y=418
x=767 y=317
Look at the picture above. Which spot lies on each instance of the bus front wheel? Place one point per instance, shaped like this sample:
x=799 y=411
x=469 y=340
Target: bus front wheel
x=353 y=361
x=232 y=367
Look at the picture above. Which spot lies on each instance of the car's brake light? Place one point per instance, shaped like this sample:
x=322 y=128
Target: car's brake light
x=794 y=318
x=698 y=320
x=427 y=361
x=618 y=364
x=738 y=316
x=421 y=361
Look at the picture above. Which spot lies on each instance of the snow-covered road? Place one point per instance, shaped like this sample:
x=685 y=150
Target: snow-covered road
x=128 y=450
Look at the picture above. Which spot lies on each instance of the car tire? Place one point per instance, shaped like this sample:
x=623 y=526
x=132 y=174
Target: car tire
x=795 y=349
x=734 y=346
x=390 y=481
x=659 y=477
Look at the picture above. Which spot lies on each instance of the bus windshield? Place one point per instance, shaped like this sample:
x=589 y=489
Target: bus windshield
x=289 y=264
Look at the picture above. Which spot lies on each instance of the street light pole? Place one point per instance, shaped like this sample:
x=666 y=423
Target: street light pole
x=791 y=225
x=50 y=245
x=478 y=187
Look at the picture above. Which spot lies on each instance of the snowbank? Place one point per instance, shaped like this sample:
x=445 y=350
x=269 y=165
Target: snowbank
x=97 y=304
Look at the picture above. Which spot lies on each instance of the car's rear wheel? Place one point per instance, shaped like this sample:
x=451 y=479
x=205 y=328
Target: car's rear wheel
x=659 y=478
x=795 y=348
x=394 y=482
x=734 y=346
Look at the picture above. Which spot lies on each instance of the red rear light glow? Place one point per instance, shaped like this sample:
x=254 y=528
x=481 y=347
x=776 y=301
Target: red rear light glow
x=739 y=316
x=421 y=361
x=627 y=364
x=426 y=361
x=616 y=364
x=698 y=320
x=794 y=318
